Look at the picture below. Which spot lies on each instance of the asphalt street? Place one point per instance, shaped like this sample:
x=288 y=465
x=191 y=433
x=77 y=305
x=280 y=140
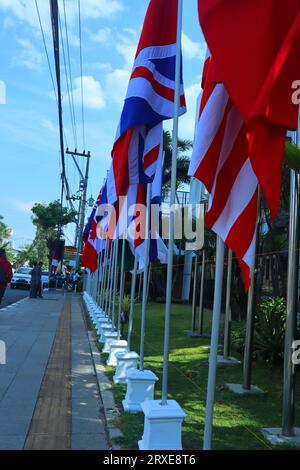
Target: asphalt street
x=13 y=295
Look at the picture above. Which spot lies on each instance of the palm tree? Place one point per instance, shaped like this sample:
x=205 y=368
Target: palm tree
x=183 y=161
x=5 y=233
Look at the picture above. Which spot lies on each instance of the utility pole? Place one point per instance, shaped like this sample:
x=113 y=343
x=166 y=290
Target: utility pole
x=83 y=200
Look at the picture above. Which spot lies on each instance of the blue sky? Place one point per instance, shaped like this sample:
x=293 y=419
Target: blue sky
x=29 y=170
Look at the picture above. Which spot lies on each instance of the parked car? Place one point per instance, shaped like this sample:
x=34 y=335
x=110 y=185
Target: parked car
x=21 y=278
x=45 y=279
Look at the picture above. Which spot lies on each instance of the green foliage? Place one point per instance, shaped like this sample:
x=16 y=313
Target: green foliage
x=270 y=330
x=126 y=304
x=292 y=156
x=183 y=161
x=49 y=216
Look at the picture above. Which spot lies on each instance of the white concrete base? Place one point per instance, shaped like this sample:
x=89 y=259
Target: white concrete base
x=162 y=426
x=125 y=362
x=238 y=389
x=99 y=325
x=275 y=437
x=228 y=361
x=115 y=347
x=140 y=388
x=109 y=336
x=102 y=331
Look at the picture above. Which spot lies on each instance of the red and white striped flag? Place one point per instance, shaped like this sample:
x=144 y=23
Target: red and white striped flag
x=221 y=162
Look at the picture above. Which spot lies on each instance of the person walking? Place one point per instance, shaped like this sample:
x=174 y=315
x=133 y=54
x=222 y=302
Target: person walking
x=5 y=273
x=35 y=278
x=40 y=284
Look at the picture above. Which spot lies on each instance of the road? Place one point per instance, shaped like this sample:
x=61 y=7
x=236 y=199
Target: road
x=13 y=295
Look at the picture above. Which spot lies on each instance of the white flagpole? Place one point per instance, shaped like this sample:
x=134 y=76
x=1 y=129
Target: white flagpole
x=104 y=276
x=172 y=202
x=288 y=402
x=115 y=282
x=212 y=370
x=109 y=260
x=111 y=278
x=133 y=287
x=121 y=286
x=145 y=277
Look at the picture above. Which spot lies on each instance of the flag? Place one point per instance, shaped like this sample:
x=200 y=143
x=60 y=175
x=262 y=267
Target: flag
x=90 y=252
x=255 y=45
x=149 y=101
x=221 y=161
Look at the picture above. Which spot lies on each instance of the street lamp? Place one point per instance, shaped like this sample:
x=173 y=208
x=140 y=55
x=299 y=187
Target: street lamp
x=90 y=201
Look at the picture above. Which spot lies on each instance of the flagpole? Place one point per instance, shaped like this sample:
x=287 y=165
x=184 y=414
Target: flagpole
x=121 y=286
x=172 y=202
x=109 y=260
x=99 y=277
x=247 y=367
x=226 y=350
x=111 y=278
x=194 y=297
x=201 y=300
x=133 y=287
x=103 y=276
x=212 y=370
x=288 y=405
x=145 y=277
x=115 y=283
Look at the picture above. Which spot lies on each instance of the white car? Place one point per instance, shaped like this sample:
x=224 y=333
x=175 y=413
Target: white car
x=21 y=278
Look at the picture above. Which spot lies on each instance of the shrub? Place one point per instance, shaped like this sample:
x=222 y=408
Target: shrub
x=270 y=330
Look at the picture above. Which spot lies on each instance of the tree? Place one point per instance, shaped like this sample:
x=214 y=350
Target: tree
x=5 y=233
x=49 y=219
x=183 y=161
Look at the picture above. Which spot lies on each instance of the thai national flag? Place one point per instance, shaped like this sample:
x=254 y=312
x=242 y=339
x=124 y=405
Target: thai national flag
x=149 y=101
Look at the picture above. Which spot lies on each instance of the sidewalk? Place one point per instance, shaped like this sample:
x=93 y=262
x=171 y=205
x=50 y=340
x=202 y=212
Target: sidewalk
x=49 y=397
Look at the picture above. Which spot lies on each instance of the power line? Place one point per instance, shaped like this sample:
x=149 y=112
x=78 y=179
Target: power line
x=67 y=81
x=70 y=69
x=82 y=109
x=45 y=46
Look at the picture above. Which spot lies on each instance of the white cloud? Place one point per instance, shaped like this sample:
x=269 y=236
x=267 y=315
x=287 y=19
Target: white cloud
x=116 y=83
x=191 y=49
x=20 y=205
x=187 y=122
x=126 y=46
x=103 y=36
x=99 y=8
x=50 y=126
x=29 y=57
x=93 y=95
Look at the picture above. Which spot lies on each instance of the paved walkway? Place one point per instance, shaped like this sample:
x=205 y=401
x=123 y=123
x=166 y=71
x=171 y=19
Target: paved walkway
x=49 y=397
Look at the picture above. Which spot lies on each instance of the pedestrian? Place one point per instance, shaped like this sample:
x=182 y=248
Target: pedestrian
x=40 y=284
x=35 y=278
x=5 y=273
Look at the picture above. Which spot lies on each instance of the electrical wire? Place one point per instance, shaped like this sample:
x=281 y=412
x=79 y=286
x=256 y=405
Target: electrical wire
x=67 y=81
x=46 y=50
x=70 y=71
x=81 y=77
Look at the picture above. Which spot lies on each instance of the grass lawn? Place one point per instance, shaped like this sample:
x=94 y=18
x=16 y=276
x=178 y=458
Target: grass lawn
x=237 y=420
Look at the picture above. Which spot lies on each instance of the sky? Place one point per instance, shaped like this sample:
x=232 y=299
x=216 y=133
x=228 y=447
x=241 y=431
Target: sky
x=30 y=160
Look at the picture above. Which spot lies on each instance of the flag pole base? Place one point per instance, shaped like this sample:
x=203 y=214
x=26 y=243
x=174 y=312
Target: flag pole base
x=125 y=361
x=140 y=388
x=195 y=334
x=109 y=336
x=162 y=426
x=115 y=347
x=238 y=389
x=227 y=361
x=276 y=438
x=101 y=329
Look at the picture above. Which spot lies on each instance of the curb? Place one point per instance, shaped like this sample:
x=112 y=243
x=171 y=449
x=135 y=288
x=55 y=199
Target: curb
x=106 y=391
